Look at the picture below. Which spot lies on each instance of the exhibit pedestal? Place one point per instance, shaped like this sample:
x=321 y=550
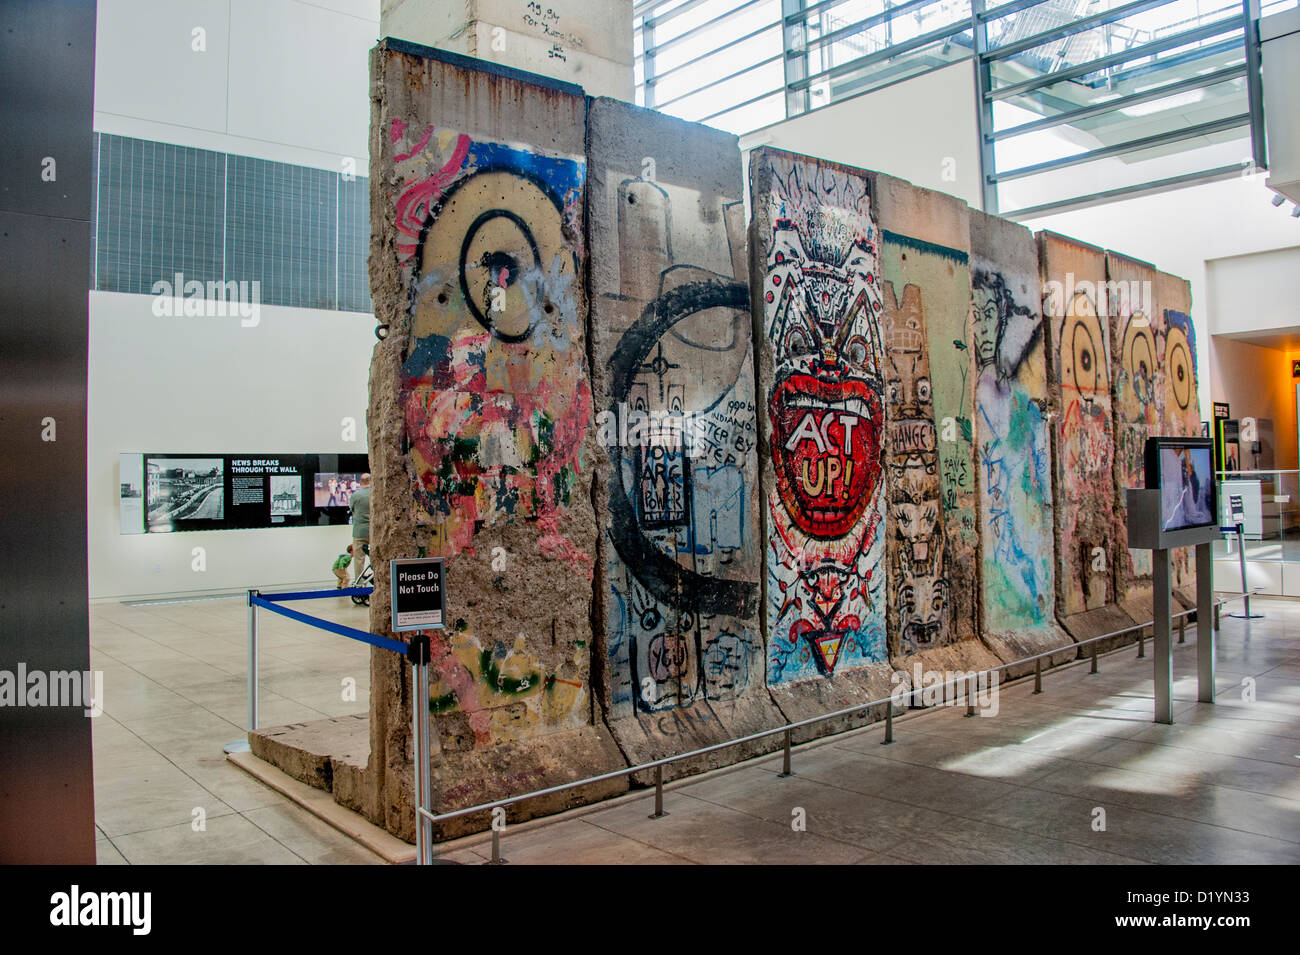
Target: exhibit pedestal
x=1146 y=531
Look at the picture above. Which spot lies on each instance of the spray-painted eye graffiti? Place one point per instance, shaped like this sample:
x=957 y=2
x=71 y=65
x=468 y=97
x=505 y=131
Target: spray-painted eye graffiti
x=1178 y=368
x=822 y=314
x=1138 y=358
x=1084 y=466
x=1086 y=371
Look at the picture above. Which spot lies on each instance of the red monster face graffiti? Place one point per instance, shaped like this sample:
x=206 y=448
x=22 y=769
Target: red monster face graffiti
x=826 y=409
x=826 y=450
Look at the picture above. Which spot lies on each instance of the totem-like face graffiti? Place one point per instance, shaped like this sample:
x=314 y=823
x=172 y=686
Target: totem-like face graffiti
x=916 y=546
x=823 y=316
x=494 y=388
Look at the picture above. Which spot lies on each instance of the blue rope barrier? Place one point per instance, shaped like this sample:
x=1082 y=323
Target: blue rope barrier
x=315 y=594
x=351 y=632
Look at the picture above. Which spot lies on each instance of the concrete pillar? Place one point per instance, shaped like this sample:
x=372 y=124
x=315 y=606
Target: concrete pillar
x=577 y=41
x=480 y=438
x=677 y=585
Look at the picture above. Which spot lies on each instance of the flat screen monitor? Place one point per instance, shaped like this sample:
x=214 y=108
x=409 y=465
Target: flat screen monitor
x=1182 y=469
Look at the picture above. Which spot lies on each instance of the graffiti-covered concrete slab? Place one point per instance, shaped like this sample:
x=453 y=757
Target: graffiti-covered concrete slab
x=931 y=523
x=480 y=424
x=678 y=581
x=1075 y=307
x=819 y=328
x=1012 y=442
x=1137 y=341
x=1180 y=411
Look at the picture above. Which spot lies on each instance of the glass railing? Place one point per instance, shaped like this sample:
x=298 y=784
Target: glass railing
x=1271 y=504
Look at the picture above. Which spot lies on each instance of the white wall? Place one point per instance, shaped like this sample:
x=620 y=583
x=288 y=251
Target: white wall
x=1257 y=292
x=284 y=80
x=921 y=129
x=171 y=385
x=1179 y=230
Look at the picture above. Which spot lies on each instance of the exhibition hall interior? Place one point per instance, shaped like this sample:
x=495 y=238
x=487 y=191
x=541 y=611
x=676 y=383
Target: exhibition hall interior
x=651 y=432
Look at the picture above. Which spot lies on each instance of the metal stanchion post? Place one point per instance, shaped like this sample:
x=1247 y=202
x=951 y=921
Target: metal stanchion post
x=418 y=652
x=659 y=793
x=1038 y=674
x=1142 y=644
x=1218 y=605
x=785 y=769
x=496 y=847
x=889 y=721
x=970 y=695
x=1182 y=629
x=1245 y=586
x=241 y=745
x=252 y=660
x=1094 y=657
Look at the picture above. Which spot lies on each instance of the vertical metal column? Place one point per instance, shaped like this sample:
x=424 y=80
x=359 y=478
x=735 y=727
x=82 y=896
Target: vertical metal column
x=794 y=34
x=983 y=107
x=1164 y=661
x=1254 y=82
x=1204 y=631
x=1245 y=584
x=418 y=653
x=252 y=660
x=648 y=49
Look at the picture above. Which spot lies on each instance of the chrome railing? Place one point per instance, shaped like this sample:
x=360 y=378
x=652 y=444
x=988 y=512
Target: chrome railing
x=787 y=730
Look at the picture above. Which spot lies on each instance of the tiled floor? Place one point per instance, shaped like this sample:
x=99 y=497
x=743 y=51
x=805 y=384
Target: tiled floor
x=175 y=693
x=1077 y=774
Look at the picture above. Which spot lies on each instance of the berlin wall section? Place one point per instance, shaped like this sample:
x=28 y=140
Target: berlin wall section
x=1087 y=530
x=932 y=518
x=1012 y=436
x=819 y=327
x=1180 y=413
x=692 y=480
x=480 y=428
x=1137 y=339
x=680 y=641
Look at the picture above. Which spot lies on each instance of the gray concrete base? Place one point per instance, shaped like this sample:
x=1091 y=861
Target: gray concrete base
x=1093 y=623
x=809 y=698
x=1018 y=644
x=650 y=736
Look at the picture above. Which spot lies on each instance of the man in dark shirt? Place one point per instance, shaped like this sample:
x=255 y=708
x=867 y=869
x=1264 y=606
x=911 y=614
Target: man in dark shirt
x=359 y=506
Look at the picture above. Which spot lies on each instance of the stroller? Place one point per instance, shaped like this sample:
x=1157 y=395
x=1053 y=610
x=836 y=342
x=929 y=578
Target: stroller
x=365 y=579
